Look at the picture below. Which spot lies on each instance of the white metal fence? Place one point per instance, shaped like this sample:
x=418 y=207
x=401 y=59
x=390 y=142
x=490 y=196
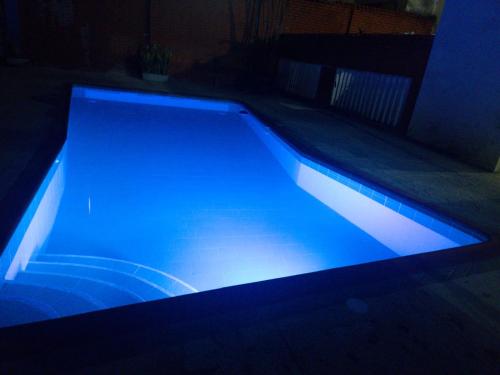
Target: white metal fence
x=375 y=96
x=299 y=78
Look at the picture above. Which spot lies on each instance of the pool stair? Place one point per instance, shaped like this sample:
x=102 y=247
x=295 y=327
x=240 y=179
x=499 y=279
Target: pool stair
x=55 y=285
x=21 y=301
x=155 y=283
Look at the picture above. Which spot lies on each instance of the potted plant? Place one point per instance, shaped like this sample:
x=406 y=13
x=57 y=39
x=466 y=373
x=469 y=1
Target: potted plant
x=155 y=60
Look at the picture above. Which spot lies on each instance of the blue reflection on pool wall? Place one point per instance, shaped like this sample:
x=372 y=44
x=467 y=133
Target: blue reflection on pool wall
x=156 y=196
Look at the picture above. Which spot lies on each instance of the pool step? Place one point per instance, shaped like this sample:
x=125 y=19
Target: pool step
x=108 y=294
x=167 y=284
x=54 y=285
x=23 y=303
x=141 y=288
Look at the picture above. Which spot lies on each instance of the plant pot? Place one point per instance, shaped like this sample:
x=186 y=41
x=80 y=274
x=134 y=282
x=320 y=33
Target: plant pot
x=153 y=77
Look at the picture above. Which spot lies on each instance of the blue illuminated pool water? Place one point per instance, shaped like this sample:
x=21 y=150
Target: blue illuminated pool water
x=155 y=196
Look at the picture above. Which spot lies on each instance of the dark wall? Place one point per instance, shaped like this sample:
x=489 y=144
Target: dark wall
x=3 y=31
x=404 y=55
x=10 y=25
x=106 y=32
x=80 y=33
x=394 y=54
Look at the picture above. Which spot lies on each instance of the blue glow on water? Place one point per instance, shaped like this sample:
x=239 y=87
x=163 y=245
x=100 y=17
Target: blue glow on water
x=156 y=196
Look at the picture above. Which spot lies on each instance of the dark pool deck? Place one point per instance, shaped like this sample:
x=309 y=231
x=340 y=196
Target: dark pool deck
x=440 y=317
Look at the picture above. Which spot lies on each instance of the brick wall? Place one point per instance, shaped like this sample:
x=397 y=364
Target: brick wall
x=311 y=17
x=314 y=17
x=116 y=28
x=196 y=30
x=380 y=21
x=199 y=31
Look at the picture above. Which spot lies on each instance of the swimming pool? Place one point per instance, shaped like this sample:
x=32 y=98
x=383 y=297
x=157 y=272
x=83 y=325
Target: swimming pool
x=156 y=196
